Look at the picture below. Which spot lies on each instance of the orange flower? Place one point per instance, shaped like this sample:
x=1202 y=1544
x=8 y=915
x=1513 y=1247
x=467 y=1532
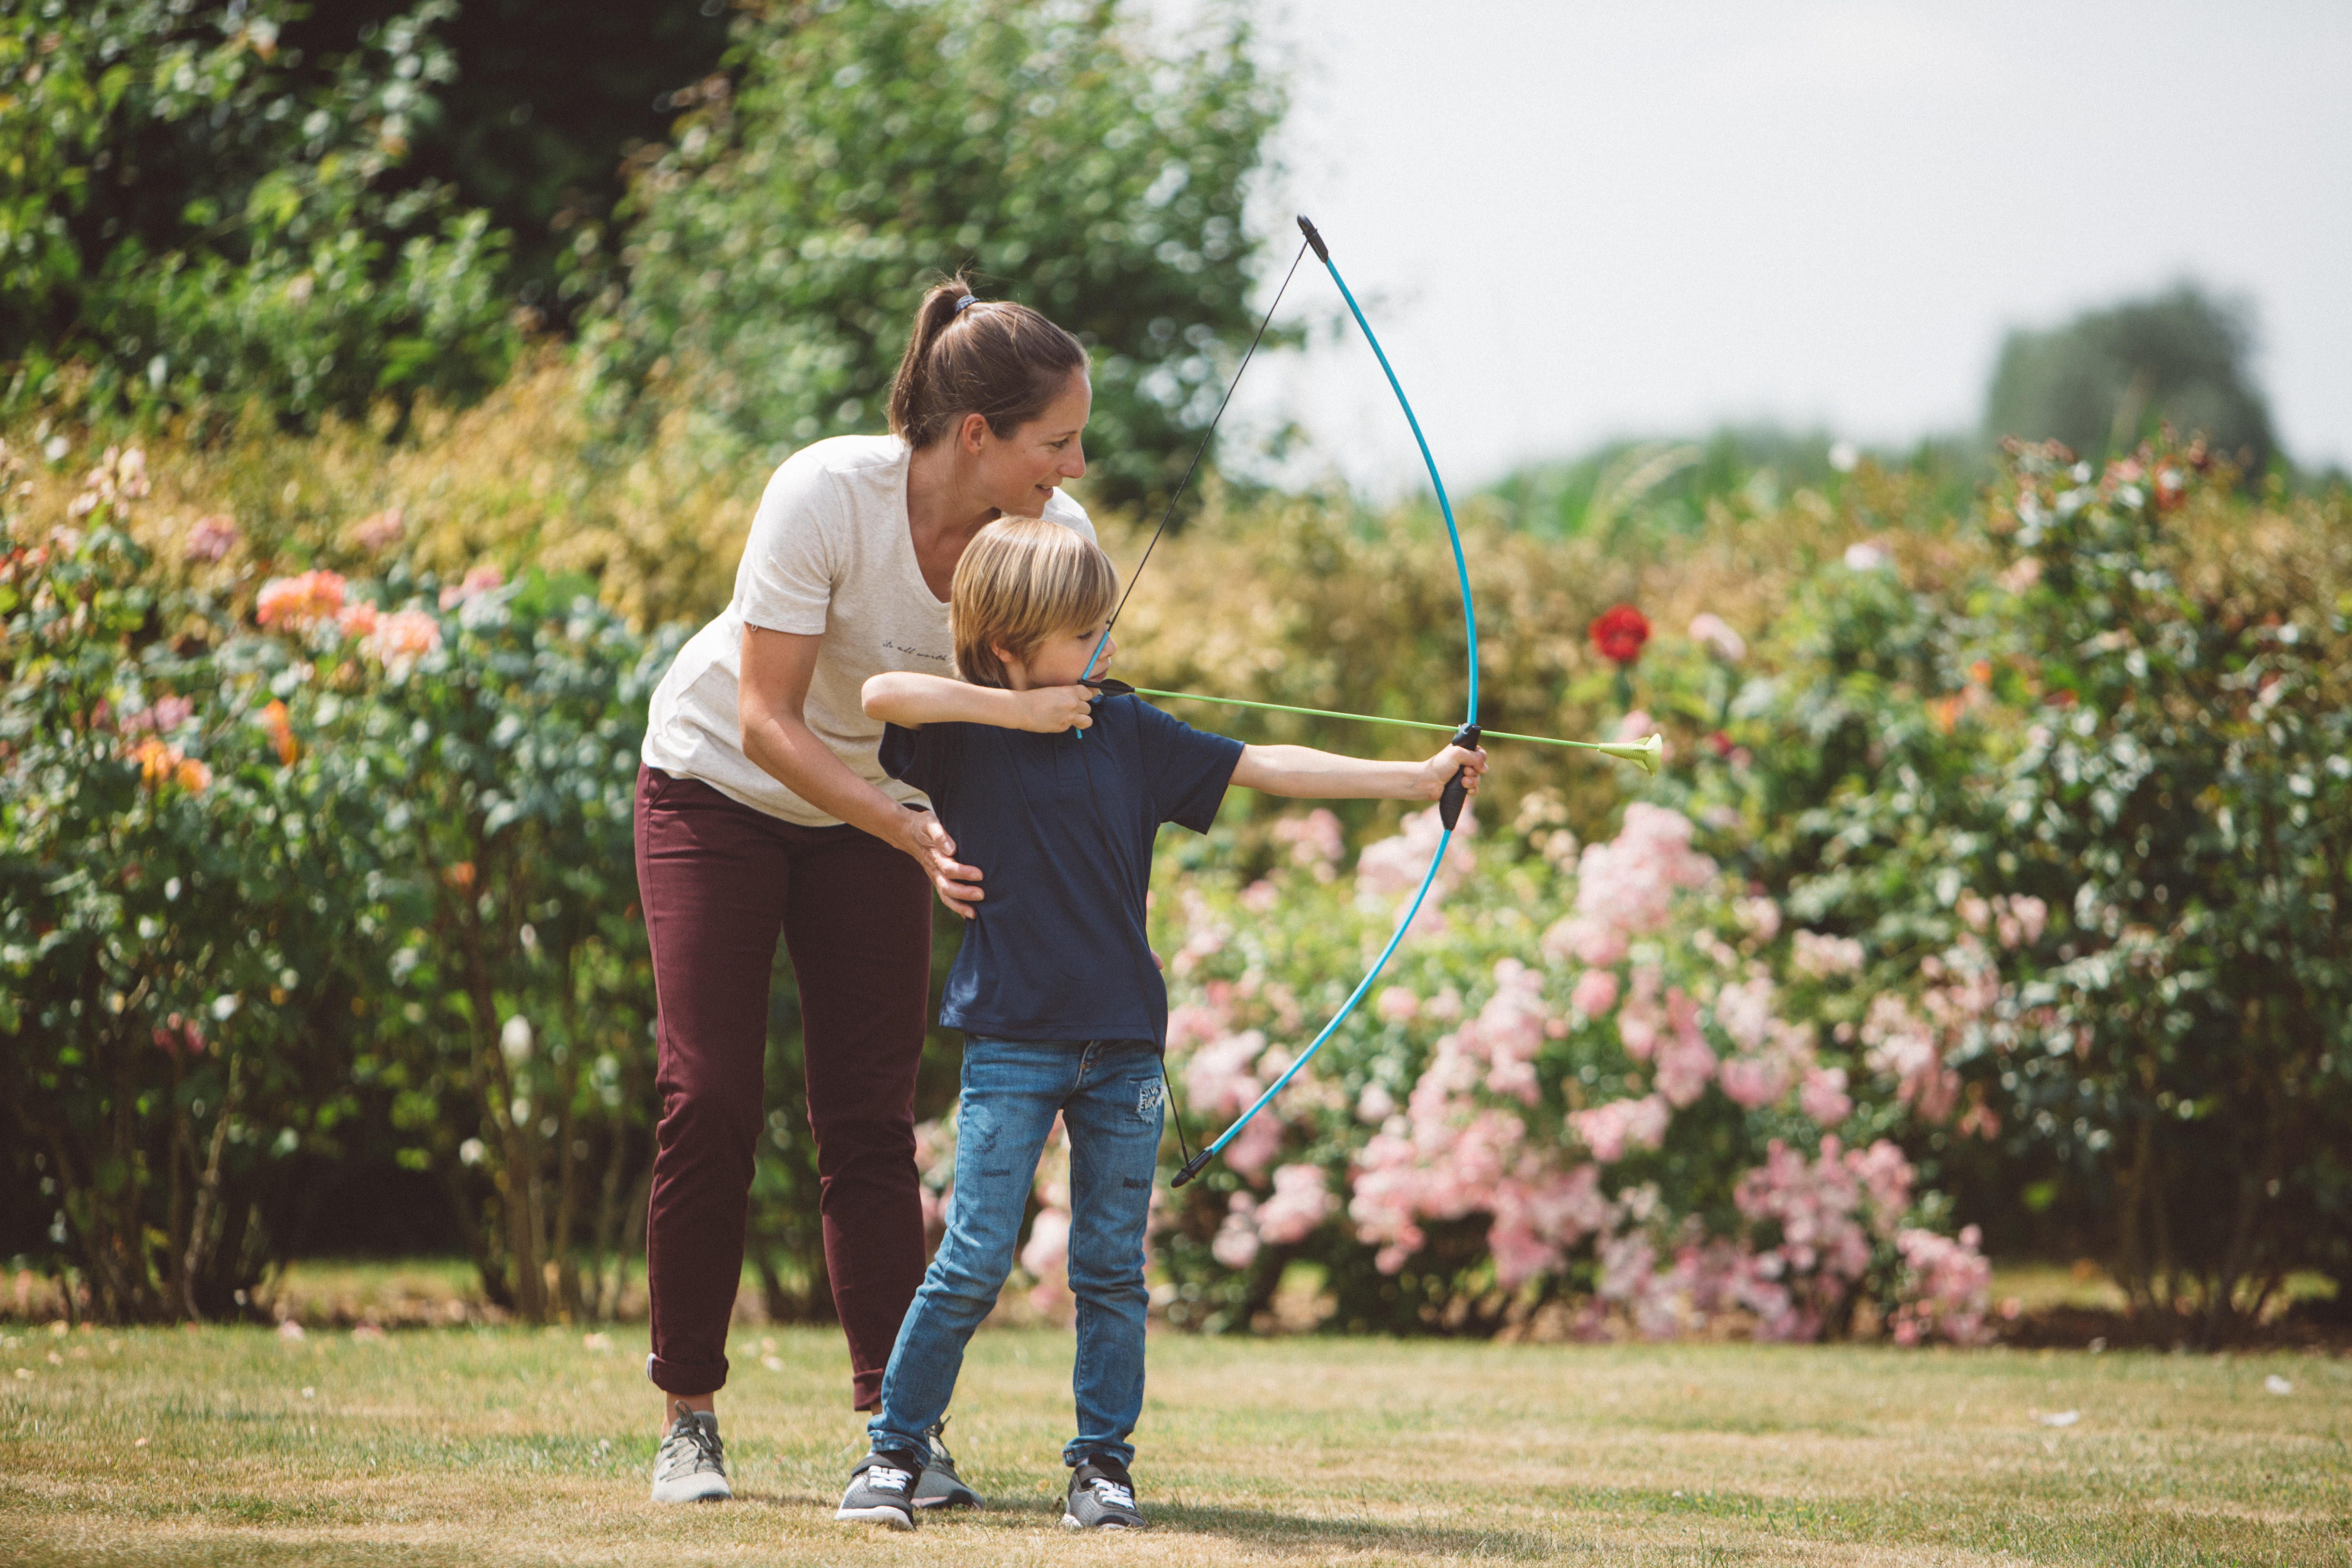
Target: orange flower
x=402 y=637
x=159 y=763
x=281 y=732
x=155 y=761
x=461 y=875
x=294 y=603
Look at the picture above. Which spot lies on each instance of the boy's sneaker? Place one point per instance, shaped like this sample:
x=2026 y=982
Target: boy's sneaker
x=881 y=1491
x=1102 y=1497
x=941 y=1486
x=690 y=1465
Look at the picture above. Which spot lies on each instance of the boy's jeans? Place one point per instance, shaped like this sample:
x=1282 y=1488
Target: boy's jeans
x=1109 y=1093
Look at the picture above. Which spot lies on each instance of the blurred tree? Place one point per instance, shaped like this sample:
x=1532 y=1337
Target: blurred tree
x=548 y=99
x=1076 y=163
x=191 y=210
x=2109 y=377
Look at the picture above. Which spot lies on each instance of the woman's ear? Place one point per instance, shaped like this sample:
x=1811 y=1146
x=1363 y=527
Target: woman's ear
x=970 y=432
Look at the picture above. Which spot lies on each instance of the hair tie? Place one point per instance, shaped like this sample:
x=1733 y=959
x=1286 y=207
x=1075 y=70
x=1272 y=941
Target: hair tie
x=967 y=299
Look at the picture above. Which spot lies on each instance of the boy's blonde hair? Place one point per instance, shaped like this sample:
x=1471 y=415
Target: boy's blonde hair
x=1020 y=580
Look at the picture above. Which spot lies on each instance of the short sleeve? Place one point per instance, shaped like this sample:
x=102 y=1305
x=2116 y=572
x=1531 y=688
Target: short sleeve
x=790 y=566
x=925 y=758
x=1187 y=769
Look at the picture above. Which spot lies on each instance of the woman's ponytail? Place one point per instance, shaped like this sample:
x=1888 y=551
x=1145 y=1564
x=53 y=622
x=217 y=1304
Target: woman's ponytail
x=991 y=357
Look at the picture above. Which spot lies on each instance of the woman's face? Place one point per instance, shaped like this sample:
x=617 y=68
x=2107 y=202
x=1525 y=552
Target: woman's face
x=1017 y=473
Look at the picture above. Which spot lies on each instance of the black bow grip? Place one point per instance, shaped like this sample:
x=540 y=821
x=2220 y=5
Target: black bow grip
x=1457 y=788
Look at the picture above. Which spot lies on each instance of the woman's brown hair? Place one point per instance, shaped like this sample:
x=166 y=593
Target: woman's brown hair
x=996 y=359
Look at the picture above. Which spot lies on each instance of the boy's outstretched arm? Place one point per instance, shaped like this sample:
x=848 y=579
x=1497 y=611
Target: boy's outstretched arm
x=911 y=701
x=1303 y=772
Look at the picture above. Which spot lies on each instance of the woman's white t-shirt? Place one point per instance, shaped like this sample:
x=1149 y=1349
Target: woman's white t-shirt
x=830 y=555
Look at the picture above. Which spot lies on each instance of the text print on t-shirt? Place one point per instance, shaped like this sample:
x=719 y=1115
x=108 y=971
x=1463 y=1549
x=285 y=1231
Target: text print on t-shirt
x=914 y=652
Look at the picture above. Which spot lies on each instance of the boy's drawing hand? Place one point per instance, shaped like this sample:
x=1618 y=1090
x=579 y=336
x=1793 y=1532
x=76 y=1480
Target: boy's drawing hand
x=1050 y=710
x=1439 y=770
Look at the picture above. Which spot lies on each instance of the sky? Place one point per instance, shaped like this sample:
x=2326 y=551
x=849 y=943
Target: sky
x=1571 y=222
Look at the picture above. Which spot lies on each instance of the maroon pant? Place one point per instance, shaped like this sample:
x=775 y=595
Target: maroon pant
x=718 y=880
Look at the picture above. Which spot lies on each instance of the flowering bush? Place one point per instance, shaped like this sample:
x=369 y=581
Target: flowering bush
x=495 y=729
x=1597 y=1087
x=2070 y=803
x=285 y=869
x=179 y=951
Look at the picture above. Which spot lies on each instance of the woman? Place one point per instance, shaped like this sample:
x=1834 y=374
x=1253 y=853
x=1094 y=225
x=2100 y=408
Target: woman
x=761 y=808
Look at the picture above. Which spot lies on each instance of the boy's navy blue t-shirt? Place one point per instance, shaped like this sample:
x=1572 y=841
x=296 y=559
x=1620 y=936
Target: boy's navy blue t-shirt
x=1061 y=830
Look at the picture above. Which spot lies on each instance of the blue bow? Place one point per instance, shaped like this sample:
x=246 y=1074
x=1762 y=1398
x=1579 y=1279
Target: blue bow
x=1450 y=804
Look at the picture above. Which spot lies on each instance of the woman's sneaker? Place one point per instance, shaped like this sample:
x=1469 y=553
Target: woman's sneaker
x=941 y=1486
x=881 y=1491
x=1102 y=1497
x=691 y=1466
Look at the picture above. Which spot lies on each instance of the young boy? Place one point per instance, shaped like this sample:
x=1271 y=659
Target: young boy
x=1057 y=793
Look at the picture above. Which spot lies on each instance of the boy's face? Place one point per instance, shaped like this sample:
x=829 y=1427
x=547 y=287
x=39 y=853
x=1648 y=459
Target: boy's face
x=1060 y=659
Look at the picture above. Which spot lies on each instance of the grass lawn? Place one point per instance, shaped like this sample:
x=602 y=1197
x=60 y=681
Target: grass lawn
x=508 y=1446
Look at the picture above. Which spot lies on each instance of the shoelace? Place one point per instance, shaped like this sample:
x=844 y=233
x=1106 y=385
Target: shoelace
x=940 y=1458
x=709 y=1453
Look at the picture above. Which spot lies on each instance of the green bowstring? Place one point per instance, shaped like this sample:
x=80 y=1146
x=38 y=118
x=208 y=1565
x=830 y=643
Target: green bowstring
x=1643 y=751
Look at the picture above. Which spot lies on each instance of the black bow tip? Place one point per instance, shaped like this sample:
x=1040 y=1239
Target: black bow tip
x=1315 y=239
x=1192 y=1169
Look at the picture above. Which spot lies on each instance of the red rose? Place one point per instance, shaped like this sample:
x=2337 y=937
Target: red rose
x=1619 y=632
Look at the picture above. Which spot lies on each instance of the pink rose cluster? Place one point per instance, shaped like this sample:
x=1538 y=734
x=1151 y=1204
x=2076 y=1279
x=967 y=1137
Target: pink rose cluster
x=1665 y=1026
x=1625 y=888
x=1301 y=1200
x=1965 y=1000
x=1391 y=869
x=2015 y=920
x=1946 y=1289
x=164 y=716
x=210 y=539
x=395 y=640
x=1820 y=957
x=1447 y=1155
x=1314 y=842
x=1828 y=1213
x=477 y=582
